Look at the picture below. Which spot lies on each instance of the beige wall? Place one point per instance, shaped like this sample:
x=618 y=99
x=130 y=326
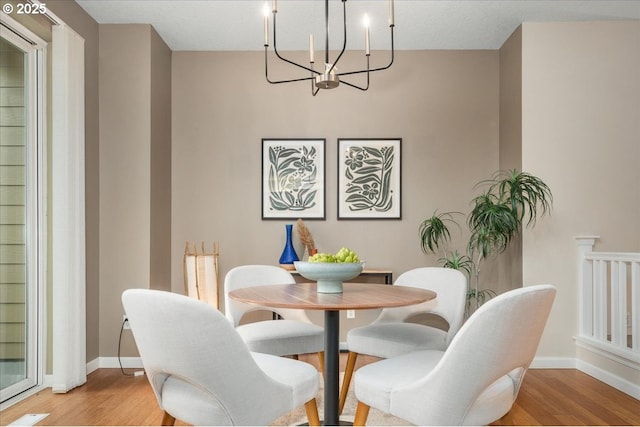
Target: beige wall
x=581 y=133
x=132 y=153
x=160 y=235
x=443 y=104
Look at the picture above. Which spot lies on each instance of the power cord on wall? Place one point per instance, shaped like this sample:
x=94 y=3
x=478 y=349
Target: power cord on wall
x=136 y=373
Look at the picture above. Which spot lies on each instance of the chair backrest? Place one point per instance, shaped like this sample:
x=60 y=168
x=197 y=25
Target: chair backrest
x=449 y=284
x=200 y=270
x=257 y=275
x=499 y=339
x=187 y=339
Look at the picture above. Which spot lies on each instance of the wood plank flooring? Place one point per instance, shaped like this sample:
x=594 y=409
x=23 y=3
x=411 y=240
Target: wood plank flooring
x=547 y=397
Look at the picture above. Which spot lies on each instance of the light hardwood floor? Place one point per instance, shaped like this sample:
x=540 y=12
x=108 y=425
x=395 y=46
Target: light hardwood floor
x=547 y=397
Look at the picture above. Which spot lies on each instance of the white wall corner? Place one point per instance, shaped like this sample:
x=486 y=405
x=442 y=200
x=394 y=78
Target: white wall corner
x=93 y=365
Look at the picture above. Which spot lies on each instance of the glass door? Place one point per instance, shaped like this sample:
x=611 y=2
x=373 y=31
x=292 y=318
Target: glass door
x=21 y=235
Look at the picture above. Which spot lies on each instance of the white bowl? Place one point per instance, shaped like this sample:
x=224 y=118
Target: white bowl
x=329 y=275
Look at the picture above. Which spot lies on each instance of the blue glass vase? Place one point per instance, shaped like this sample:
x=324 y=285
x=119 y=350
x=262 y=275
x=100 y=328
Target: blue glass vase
x=289 y=254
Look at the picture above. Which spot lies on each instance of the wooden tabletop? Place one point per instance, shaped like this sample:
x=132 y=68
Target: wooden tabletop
x=355 y=296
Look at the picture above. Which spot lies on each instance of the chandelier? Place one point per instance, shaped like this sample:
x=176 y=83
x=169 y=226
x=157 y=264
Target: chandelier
x=327 y=77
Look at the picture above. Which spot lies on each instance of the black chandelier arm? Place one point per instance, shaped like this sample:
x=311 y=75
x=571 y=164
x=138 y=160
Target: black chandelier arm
x=301 y=79
x=356 y=86
x=347 y=73
x=275 y=49
x=274 y=82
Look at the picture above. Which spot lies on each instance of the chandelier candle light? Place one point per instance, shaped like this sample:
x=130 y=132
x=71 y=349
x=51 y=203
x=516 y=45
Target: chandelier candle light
x=329 y=78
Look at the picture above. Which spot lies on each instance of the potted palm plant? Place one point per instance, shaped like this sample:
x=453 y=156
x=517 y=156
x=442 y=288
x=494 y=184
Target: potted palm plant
x=511 y=199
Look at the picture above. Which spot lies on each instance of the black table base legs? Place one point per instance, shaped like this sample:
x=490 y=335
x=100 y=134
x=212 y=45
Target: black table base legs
x=331 y=366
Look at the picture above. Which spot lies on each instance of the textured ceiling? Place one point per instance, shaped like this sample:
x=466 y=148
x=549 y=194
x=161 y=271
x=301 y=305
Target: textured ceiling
x=420 y=24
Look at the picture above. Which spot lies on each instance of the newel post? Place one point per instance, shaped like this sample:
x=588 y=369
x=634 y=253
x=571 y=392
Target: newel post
x=585 y=285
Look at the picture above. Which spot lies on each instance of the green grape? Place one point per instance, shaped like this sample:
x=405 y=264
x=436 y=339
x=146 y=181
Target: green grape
x=322 y=257
x=344 y=255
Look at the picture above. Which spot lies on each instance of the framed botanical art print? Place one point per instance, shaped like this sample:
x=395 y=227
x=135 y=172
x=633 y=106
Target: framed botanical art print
x=369 y=178
x=293 y=178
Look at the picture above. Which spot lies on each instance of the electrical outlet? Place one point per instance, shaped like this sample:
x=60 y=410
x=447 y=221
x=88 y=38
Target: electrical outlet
x=125 y=321
x=351 y=314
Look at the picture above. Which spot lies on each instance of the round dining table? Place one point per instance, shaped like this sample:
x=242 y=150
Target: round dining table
x=355 y=296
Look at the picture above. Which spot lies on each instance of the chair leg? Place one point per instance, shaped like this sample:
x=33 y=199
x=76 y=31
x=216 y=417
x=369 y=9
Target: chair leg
x=168 y=419
x=321 y=361
x=346 y=382
x=362 y=412
x=312 y=412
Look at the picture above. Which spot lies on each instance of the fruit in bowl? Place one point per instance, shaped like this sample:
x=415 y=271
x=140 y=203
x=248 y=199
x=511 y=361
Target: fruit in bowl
x=330 y=270
x=344 y=255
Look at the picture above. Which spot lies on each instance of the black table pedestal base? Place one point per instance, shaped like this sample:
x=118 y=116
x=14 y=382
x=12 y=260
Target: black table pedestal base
x=331 y=366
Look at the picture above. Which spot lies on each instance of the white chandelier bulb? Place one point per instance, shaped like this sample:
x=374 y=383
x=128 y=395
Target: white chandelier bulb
x=367 y=43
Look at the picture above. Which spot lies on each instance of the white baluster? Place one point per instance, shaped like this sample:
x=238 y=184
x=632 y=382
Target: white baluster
x=619 y=303
x=635 y=306
x=600 y=300
x=585 y=285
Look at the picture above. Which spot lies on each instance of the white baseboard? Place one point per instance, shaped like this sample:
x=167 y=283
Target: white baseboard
x=112 y=362
x=93 y=365
x=608 y=378
x=538 y=363
x=553 y=363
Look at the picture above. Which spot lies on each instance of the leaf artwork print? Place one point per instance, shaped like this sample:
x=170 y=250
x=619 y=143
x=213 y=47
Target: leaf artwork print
x=368 y=173
x=292 y=178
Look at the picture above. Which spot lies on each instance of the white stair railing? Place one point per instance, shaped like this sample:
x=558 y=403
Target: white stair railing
x=609 y=301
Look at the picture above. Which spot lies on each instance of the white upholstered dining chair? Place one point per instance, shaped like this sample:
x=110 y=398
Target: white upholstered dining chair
x=390 y=334
x=292 y=335
x=202 y=373
x=476 y=380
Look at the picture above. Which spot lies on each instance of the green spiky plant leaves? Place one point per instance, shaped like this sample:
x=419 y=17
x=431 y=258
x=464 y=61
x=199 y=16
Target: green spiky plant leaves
x=492 y=224
x=525 y=194
x=434 y=233
x=457 y=261
x=512 y=198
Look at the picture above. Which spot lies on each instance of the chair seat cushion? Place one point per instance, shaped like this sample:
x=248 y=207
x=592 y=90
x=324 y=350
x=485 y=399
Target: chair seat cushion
x=376 y=382
x=282 y=337
x=302 y=377
x=394 y=339
x=187 y=401
x=494 y=402
x=196 y=406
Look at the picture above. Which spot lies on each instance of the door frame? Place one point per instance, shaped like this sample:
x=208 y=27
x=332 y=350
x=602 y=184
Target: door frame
x=36 y=235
